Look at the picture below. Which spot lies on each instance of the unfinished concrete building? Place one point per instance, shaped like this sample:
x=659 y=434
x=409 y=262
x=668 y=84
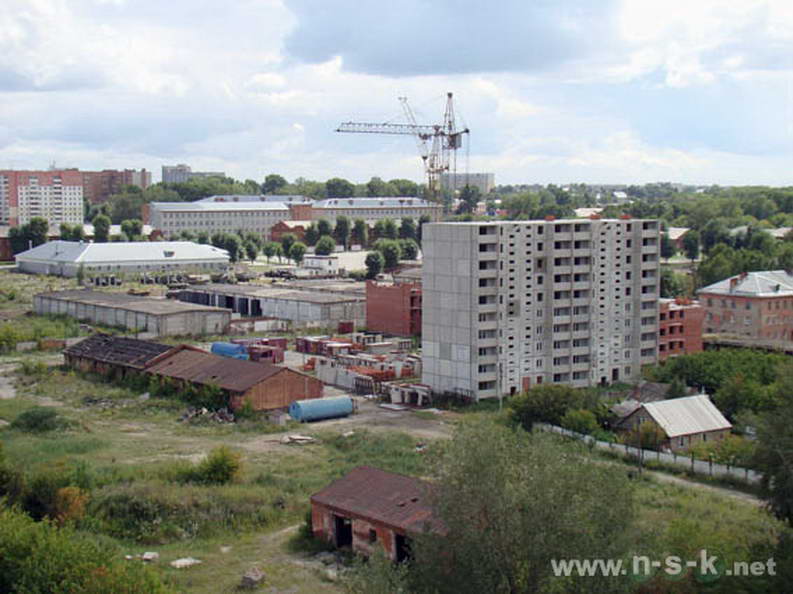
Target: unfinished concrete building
x=509 y=305
x=158 y=317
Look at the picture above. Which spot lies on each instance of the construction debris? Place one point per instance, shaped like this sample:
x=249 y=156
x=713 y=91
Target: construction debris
x=150 y=557
x=297 y=439
x=252 y=578
x=222 y=415
x=185 y=562
x=395 y=407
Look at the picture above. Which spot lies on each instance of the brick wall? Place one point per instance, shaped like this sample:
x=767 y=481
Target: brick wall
x=322 y=521
x=393 y=309
x=680 y=329
x=764 y=318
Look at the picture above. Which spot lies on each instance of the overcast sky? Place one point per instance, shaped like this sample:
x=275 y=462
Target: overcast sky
x=553 y=91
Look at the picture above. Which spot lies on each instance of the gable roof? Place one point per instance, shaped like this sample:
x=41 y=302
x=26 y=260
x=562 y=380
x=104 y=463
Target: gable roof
x=118 y=350
x=197 y=366
x=78 y=252
x=396 y=500
x=686 y=416
x=771 y=283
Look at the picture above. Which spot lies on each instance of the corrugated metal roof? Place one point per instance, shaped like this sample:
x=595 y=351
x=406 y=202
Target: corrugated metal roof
x=118 y=350
x=256 y=198
x=167 y=252
x=400 y=501
x=771 y=283
x=217 y=206
x=684 y=416
x=200 y=367
x=148 y=305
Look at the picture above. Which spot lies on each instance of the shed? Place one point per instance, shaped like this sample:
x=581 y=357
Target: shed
x=369 y=506
x=264 y=385
x=113 y=355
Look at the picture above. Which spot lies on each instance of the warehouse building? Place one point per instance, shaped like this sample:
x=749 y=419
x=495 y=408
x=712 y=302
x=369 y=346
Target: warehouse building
x=135 y=258
x=159 y=317
x=304 y=308
x=262 y=385
x=113 y=355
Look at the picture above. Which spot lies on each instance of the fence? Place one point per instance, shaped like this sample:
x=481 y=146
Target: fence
x=684 y=462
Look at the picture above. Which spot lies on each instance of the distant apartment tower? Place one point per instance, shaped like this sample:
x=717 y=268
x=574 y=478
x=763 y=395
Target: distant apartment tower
x=181 y=173
x=98 y=186
x=457 y=181
x=56 y=195
x=510 y=305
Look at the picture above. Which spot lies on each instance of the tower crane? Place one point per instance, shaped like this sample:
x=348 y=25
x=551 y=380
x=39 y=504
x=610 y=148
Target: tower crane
x=437 y=143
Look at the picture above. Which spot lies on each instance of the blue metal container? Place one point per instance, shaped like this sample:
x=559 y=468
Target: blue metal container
x=321 y=408
x=227 y=349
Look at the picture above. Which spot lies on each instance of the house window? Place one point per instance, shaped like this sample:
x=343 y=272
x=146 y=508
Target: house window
x=372 y=536
x=682 y=441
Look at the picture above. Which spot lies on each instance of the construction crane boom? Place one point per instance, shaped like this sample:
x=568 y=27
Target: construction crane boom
x=437 y=143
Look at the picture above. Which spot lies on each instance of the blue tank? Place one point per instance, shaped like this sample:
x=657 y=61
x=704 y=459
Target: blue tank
x=321 y=408
x=228 y=349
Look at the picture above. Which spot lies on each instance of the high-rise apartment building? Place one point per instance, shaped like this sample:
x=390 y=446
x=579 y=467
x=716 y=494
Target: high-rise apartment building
x=181 y=173
x=457 y=181
x=55 y=195
x=98 y=186
x=510 y=305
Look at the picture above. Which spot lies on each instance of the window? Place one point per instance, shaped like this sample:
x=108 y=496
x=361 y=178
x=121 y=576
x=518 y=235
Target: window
x=372 y=536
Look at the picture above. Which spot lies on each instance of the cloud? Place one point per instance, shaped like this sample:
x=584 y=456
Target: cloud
x=415 y=37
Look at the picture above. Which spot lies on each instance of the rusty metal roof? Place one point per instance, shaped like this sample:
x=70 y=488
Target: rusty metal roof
x=193 y=365
x=399 y=501
x=118 y=350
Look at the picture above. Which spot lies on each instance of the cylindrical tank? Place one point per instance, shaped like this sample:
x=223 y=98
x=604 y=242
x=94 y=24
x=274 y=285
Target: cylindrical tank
x=227 y=349
x=321 y=408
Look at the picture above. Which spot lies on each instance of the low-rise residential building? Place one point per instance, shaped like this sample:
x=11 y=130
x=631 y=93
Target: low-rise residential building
x=67 y=258
x=679 y=327
x=751 y=305
x=369 y=508
x=393 y=308
x=685 y=421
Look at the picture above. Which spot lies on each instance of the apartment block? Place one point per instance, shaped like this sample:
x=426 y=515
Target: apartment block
x=56 y=195
x=98 y=186
x=513 y=304
x=679 y=327
x=457 y=181
x=181 y=173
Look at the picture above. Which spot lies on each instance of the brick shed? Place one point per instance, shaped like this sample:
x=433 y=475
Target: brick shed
x=264 y=385
x=368 y=506
x=113 y=355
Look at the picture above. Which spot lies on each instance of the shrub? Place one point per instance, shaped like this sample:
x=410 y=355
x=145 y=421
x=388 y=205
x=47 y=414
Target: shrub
x=546 y=404
x=580 y=421
x=38 y=420
x=220 y=467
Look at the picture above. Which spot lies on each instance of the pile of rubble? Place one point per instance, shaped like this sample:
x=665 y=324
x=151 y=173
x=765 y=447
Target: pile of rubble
x=192 y=415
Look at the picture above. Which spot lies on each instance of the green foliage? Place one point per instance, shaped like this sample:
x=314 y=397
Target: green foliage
x=220 y=467
x=297 y=251
x=734 y=450
x=547 y=404
x=343 y=230
x=360 y=233
x=668 y=247
x=287 y=241
x=374 y=264
x=39 y=419
x=337 y=187
x=311 y=236
x=325 y=246
x=407 y=229
x=677 y=389
x=691 y=244
x=392 y=253
x=324 y=227
x=469 y=197
x=37 y=557
x=773 y=461
x=409 y=249
x=273 y=183
x=580 y=421
x=271 y=249
x=673 y=284
x=132 y=228
x=648 y=436
x=101 y=225
x=31 y=234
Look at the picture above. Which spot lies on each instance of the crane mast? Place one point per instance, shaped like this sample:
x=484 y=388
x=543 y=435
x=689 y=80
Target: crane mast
x=437 y=143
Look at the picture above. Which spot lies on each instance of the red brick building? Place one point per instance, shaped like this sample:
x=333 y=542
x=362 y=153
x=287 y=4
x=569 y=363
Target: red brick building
x=296 y=228
x=369 y=507
x=755 y=305
x=98 y=186
x=679 y=327
x=393 y=308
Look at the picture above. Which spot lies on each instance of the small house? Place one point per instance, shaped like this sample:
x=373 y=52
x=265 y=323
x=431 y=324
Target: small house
x=369 y=507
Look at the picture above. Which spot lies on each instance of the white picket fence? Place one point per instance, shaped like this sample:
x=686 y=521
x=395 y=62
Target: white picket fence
x=683 y=462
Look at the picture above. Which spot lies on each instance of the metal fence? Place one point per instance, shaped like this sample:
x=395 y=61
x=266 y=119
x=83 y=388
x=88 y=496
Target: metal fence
x=683 y=462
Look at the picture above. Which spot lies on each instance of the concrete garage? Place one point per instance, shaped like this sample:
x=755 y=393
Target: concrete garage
x=307 y=309
x=159 y=317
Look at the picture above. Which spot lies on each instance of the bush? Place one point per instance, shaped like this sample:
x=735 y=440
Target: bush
x=547 y=404
x=220 y=467
x=38 y=420
x=37 y=557
x=580 y=421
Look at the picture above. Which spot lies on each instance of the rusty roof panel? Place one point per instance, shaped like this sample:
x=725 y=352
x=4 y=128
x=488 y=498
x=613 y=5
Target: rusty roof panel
x=118 y=350
x=399 y=501
x=197 y=366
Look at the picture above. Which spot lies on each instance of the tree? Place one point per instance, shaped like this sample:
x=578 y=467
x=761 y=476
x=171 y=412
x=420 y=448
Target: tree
x=339 y=188
x=407 y=229
x=673 y=284
x=374 y=264
x=404 y=187
x=377 y=187
x=409 y=249
x=360 y=233
x=251 y=250
x=677 y=389
x=773 y=459
x=203 y=237
x=668 y=248
x=271 y=249
x=297 y=251
x=132 y=228
x=101 y=225
x=324 y=227
x=391 y=251
x=287 y=241
x=544 y=404
x=311 y=236
x=186 y=235
x=342 y=231
x=691 y=244
x=272 y=183
x=647 y=436
x=507 y=514
x=233 y=245
x=469 y=197
x=325 y=246
x=580 y=420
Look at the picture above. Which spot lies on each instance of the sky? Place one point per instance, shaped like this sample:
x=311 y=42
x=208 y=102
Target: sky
x=597 y=91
